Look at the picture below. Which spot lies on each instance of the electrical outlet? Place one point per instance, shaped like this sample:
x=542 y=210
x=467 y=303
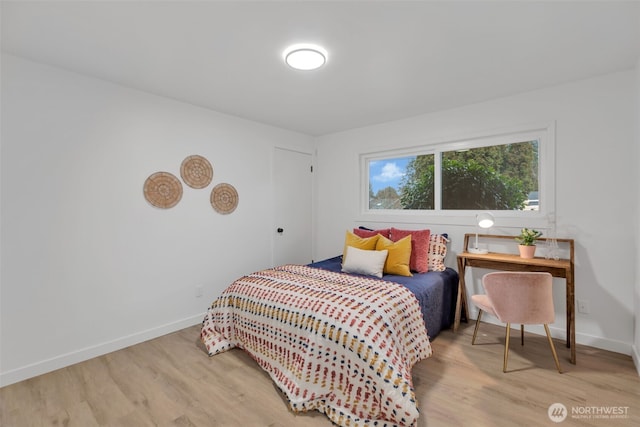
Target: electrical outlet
x=199 y=291
x=583 y=306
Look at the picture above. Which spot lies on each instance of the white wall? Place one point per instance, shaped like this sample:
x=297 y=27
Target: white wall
x=595 y=188
x=88 y=266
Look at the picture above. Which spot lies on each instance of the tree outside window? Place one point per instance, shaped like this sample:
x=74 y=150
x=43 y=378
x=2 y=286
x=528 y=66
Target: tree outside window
x=496 y=177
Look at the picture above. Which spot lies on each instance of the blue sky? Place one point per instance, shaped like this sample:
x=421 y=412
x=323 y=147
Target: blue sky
x=387 y=172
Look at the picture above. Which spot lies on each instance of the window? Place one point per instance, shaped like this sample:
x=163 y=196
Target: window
x=387 y=180
x=502 y=173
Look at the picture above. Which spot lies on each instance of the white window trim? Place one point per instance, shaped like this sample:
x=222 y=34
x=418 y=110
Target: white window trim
x=543 y=132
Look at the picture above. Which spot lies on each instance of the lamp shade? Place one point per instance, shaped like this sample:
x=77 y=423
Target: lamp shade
x=485 y=220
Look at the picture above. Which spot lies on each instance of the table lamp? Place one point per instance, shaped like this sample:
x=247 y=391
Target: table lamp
x=483 y=220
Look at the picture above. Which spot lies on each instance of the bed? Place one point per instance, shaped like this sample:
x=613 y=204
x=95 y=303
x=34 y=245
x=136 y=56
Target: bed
x=340 y=343
x=436 y=292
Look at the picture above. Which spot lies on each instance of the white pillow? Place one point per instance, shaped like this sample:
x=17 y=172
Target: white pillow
x=366 y=262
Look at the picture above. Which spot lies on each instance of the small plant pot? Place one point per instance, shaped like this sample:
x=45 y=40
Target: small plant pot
x=527 y=251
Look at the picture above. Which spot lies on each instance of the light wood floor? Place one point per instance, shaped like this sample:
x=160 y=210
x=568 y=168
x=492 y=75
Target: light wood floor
x=170 y=381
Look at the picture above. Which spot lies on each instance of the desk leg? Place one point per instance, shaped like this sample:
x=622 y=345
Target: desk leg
x=571 y=317
x=461 y=299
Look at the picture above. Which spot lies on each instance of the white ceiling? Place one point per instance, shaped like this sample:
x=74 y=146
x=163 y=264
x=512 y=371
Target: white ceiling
x=387 y=60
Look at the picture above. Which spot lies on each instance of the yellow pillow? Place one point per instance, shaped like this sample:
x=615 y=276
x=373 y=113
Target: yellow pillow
x=364 y=243
x=399 y=255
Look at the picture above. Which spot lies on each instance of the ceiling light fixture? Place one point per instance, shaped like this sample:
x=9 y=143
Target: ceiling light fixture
x=305 y=57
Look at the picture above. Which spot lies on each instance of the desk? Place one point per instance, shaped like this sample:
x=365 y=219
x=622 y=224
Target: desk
x=563 y=268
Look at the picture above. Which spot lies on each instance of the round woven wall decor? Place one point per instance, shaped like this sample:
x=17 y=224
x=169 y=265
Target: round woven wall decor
x=196 y=171
x=224 y=198
x=163 y=190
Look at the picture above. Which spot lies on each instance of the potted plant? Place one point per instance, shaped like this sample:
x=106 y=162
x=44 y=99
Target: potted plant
x=527 y=240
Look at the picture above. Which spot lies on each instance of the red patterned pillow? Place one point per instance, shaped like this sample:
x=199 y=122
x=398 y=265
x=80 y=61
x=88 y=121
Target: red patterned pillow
x=437 y=252
x=363 y=232
x=419 y=247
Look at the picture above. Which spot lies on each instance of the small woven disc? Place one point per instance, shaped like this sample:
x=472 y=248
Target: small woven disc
x=224 y=198
x=196 y=171
x=163 y=190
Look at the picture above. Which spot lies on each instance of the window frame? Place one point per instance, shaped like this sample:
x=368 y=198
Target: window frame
x=544 y=133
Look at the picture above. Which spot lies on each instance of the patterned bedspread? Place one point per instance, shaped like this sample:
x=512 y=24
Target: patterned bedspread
x=332 y=342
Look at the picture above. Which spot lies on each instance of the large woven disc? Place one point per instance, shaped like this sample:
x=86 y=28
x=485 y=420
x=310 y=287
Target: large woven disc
x=196 y=171
x=224 y=198
x=163 y=190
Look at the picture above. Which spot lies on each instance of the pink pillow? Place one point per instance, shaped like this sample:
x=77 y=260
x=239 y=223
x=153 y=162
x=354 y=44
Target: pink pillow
x=419 y=261
x=361 y=232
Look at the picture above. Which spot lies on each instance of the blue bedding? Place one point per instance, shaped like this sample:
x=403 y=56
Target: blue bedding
x=436 y=292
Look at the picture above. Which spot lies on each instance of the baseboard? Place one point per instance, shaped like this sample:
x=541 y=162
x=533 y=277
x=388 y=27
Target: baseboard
x=635 y=355
x=581 y=338
x=49 y=365
x=603 y=343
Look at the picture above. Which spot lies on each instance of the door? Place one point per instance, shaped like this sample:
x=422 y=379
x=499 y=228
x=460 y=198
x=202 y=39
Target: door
x=292 y=228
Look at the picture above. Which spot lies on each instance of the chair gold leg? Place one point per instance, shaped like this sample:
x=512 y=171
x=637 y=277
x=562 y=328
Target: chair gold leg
x=553 y=347
x=521 y=334
x=506 y=348
x=475 y=331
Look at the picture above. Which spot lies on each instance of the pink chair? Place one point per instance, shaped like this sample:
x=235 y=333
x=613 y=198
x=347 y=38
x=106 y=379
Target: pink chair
x=517 y=297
